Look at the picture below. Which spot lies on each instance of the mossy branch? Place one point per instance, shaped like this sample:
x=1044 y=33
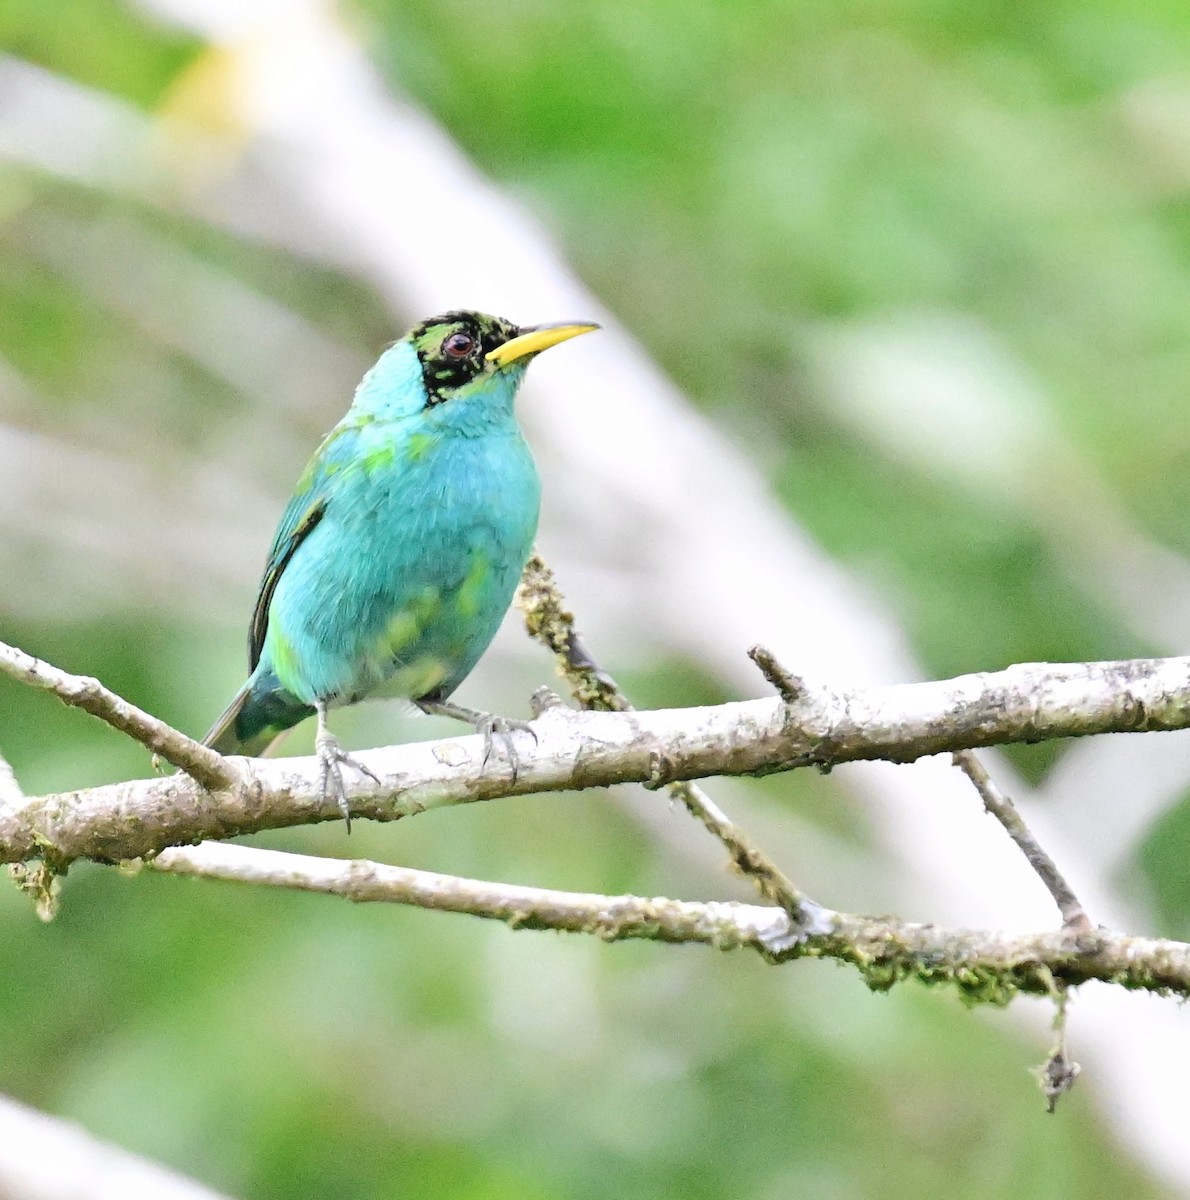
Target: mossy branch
x=984 y=967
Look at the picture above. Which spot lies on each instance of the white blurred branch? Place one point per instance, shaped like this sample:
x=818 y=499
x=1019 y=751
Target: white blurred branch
x=11 y=795
x=46 y=1158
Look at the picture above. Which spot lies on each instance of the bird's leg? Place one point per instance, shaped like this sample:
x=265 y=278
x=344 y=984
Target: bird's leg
x=488 y=724
x=332 y=758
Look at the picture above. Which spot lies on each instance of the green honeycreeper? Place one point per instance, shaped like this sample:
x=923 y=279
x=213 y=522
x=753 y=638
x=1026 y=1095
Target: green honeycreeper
x=399 y=553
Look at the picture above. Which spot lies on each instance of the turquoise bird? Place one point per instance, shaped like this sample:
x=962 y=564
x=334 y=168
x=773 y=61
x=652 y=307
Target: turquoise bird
x=399 y=553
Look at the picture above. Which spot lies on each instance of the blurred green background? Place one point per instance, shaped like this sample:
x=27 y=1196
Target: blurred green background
x=783 y=203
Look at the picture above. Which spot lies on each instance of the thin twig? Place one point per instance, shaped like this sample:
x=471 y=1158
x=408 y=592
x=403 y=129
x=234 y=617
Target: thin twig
x=986 y=967
x=790 y=687
x=549 y=621
x=206 y=766
x=1074 y=916
x=721 y=923
x=1058 y=1074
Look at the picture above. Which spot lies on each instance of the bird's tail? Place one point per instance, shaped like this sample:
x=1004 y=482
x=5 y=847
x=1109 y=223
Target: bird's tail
x=261 y=711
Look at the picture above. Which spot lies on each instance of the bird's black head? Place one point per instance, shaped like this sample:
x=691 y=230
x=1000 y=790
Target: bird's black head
x=458 y=347
x=452 y=349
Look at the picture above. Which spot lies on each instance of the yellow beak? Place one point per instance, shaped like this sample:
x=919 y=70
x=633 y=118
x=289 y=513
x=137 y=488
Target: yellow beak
x=536 y=339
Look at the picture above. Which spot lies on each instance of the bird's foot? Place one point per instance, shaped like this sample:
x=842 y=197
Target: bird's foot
x=332 y=758
x=489 y=725
x=492 y=727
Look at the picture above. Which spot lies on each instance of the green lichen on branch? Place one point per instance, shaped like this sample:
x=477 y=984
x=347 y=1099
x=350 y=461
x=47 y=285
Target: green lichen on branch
x=41 y=883
x=974 y=984
x=885 y=958
x=990 y=968
x=550 y=622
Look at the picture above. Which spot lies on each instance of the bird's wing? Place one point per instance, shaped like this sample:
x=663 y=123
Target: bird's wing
x=305 y=509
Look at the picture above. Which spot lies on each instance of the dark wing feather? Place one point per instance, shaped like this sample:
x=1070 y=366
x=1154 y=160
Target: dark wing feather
x=303 y=512
x=289 y=538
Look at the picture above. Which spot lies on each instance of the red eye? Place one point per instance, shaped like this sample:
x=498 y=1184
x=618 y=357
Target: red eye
x=458 y=345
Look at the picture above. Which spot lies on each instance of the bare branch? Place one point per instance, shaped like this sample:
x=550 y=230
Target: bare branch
x=549 y=620
x=984 y=966
x=1000 y=806
x=196 y=760
x=787 y=685
x=574 y=750
x=772 y=883
x=613 y=918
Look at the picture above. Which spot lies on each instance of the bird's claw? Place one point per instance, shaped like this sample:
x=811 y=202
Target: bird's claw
x=489 y=725
x=492 y=726
x=333 y=758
